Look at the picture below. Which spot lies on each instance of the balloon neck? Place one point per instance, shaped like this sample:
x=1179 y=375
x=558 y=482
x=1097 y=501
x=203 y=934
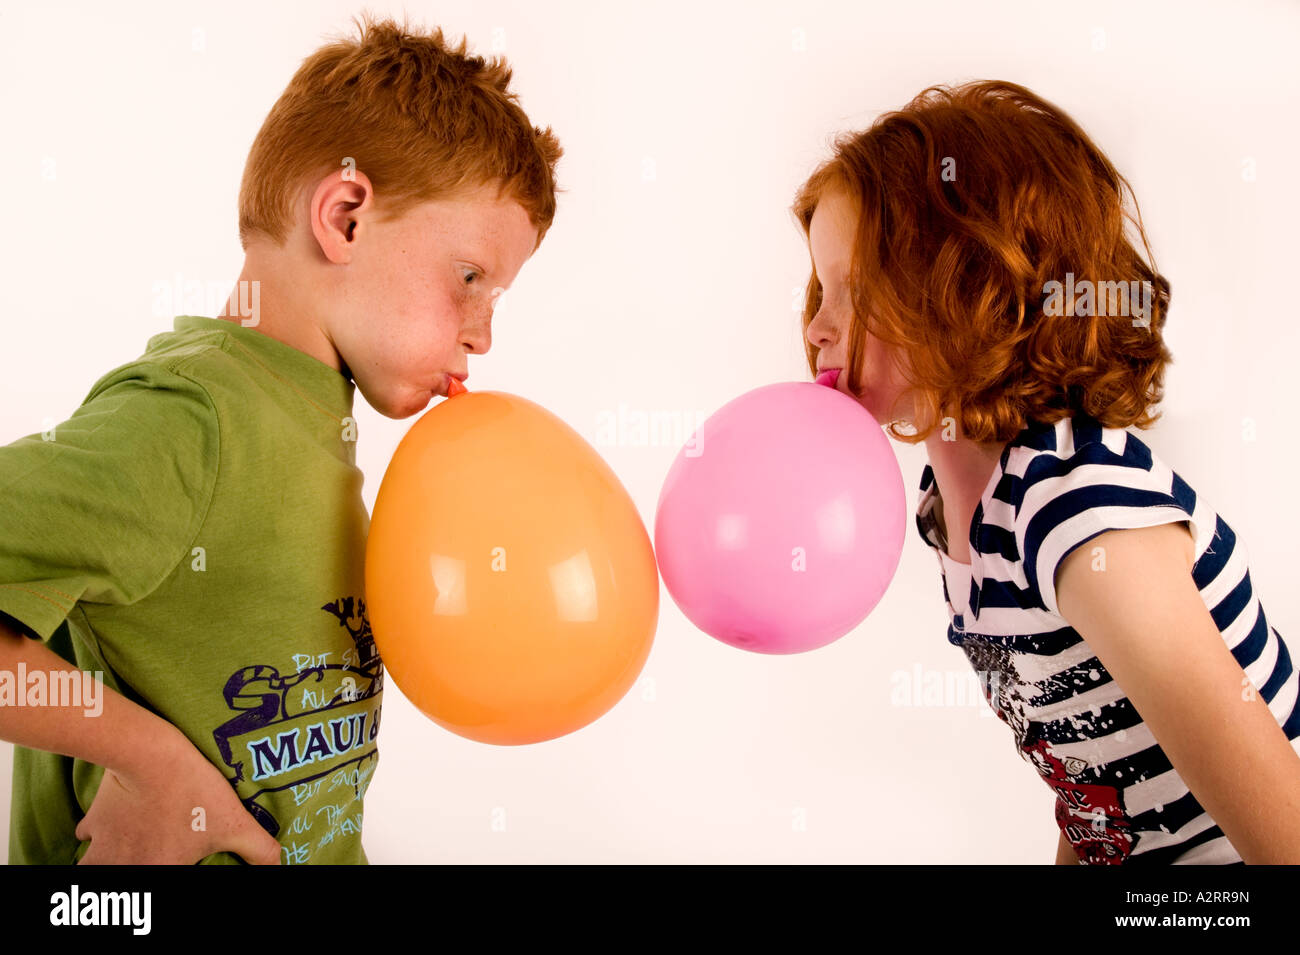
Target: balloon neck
x=456 y=388
x=829 y=377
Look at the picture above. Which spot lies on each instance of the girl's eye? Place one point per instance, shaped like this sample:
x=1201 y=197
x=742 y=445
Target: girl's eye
x=469 y=277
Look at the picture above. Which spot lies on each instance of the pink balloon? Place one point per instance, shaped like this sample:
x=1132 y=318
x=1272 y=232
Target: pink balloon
x=781 y=523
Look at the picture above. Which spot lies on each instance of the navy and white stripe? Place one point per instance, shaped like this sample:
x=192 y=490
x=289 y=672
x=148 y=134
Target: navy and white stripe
x=1055 y=487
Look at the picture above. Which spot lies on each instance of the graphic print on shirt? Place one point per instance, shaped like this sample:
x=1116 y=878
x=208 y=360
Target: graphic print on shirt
x=1056 y=486
x=1091 y=815
x=311 y=733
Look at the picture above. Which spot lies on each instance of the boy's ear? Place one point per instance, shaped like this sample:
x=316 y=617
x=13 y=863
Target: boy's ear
x=335 y=212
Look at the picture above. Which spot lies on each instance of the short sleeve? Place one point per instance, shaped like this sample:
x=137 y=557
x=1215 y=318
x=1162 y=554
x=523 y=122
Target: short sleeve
x=1110 y=484
x=102 y=507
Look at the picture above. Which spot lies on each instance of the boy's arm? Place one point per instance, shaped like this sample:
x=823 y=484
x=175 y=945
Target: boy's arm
x=141 y=455
x=154 y=777
x=122 y=736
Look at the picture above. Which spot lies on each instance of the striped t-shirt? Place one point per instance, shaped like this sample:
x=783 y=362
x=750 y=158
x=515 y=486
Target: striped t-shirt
x=1119 y=800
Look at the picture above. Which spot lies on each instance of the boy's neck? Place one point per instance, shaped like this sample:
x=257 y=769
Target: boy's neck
x=259 y=301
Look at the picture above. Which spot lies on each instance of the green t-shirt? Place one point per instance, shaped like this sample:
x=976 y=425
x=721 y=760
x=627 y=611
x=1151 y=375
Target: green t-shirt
x=195 y=532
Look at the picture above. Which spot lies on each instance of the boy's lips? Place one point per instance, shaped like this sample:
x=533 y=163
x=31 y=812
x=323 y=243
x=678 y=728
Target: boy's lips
x=448 y=382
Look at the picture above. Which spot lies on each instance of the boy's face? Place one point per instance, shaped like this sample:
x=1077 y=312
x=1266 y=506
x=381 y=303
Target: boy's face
x=830 y=239
x=418 y=294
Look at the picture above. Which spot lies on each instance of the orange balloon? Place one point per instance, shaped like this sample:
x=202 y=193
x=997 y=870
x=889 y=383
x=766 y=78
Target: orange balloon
x=511 y=585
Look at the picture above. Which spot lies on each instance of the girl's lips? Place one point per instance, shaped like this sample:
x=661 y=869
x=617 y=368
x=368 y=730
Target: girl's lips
x=829 y=377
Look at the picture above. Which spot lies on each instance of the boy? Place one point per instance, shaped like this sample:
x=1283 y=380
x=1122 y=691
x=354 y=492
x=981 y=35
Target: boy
x=195 y=532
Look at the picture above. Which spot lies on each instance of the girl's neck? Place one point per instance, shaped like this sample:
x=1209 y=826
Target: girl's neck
x=962 y=470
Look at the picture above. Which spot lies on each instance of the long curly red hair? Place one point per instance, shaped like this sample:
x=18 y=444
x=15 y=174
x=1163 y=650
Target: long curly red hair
x=972 y=200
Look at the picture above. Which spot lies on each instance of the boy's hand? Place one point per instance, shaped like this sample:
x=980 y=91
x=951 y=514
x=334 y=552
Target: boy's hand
x=147 y=815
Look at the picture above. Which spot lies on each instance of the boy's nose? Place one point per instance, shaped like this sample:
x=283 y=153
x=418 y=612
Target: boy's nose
x=478 y=338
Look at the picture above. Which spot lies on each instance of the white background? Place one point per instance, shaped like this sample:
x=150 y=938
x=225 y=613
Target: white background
x=125 y=133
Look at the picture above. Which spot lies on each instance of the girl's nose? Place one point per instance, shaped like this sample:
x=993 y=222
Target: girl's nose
x=820 y=332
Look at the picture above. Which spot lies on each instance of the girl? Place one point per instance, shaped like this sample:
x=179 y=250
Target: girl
x=972 y=279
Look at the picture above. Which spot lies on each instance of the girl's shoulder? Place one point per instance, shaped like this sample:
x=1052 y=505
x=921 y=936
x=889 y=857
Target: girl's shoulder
x=1067 y=482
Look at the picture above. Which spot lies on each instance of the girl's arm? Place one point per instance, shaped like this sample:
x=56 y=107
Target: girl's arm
x=1150 y=628
x=1065 y=854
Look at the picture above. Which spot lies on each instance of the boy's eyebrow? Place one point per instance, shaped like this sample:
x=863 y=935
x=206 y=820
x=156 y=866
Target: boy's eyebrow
x=480 y=253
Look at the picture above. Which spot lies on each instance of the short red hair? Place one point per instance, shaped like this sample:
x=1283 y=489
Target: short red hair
x=953 y=269
x=419 y=117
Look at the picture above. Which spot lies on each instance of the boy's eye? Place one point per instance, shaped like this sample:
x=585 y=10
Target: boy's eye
x=469 y=277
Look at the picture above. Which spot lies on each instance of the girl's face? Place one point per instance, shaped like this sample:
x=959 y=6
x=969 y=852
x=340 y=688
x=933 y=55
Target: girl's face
x=830 y=238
